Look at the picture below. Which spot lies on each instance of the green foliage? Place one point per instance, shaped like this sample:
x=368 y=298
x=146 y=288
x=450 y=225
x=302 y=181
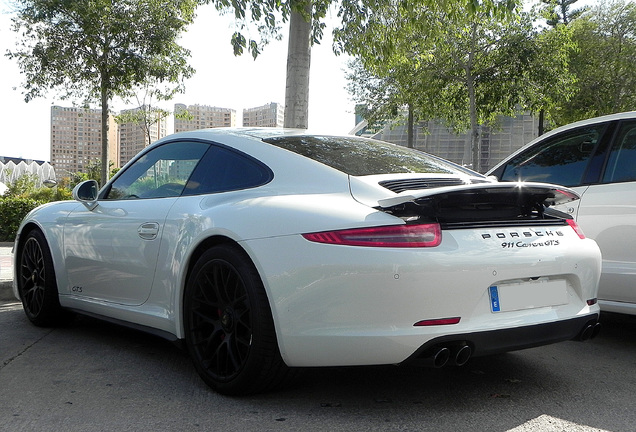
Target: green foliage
x=603 y=63
x=12 y=211
x=25 y=187
x=81 y=47
x=22 y=186
x=21 y=197
x=264 y=17
x=467 y=69
x=559 y=11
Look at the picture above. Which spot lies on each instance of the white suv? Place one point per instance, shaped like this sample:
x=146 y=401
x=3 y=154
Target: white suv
x=596 y=158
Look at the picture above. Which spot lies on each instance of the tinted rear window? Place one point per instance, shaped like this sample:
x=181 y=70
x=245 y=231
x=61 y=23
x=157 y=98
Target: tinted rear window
x=360 y=156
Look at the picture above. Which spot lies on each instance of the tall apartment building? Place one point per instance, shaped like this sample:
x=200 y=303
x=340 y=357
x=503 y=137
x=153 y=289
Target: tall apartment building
x=270 y=115
x=202 y=117
x=76 y=138
x=133 y=136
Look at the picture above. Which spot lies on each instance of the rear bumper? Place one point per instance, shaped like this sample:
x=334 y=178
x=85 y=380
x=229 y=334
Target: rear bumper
x=509 y=339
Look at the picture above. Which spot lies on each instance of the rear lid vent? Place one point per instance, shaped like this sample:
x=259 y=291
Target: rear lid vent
x=402 y=185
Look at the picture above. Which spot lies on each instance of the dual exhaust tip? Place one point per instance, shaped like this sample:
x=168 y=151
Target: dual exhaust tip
x=455 y=354
x=458 y=353
x=590 y=331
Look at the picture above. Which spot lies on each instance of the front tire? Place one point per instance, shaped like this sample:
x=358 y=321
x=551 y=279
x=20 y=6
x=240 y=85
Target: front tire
x=37 y=285
x=228 y=323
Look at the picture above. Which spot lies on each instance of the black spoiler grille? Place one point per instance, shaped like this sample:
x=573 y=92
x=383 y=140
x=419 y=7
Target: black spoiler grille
x=402 y=185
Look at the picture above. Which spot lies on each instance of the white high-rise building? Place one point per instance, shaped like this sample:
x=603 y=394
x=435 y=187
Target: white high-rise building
x=76 y=138
x=270 y=115
x=202 y=117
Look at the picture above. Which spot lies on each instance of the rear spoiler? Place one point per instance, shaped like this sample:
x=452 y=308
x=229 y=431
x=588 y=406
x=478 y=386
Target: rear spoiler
x=548 y=194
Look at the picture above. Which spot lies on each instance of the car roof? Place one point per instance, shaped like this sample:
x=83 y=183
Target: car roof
x=259 y=133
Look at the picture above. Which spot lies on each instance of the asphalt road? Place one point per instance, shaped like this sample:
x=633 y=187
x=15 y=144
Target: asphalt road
x=94 y=376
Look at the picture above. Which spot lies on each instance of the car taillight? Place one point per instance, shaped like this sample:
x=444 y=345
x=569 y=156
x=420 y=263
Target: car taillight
x=577 y=229
x=401 y=236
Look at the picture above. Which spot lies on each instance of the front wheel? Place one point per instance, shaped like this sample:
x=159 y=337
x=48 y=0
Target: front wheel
x=37 y=285
x=228 y=324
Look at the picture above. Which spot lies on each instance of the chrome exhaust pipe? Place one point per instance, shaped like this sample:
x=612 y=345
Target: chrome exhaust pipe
x=462 y=355
x=590 y=331
x=440 y=357
x=586 y=333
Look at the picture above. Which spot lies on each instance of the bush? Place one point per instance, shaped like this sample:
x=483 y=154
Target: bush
x=12 y=211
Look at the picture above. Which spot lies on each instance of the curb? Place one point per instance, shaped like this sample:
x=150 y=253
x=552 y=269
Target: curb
x=6 y=291
x=6 y=286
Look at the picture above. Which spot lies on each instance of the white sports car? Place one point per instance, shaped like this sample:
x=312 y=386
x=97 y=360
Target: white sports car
x=269 y=249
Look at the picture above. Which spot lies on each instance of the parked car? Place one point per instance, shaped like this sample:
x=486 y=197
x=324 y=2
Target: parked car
x=597 y=159
x=270 y=249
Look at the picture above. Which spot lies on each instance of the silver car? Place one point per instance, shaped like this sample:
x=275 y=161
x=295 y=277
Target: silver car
x=596 y=158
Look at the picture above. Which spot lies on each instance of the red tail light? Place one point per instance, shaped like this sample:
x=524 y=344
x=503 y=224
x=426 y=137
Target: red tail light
x=401 y=236
x=577 y=229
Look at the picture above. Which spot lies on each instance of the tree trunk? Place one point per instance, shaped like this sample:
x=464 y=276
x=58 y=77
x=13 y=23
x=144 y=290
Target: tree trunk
x=474 y=127
x=411 y=129
x=475 y=130
x=298 y=63
x=105 y=146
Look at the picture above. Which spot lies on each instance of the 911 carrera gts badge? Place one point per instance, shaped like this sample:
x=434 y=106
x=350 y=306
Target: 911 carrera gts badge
x=526 y=239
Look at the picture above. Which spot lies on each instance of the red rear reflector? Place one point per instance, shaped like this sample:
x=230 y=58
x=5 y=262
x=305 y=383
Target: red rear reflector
x=592 y=302
x=401 y=236
x=577 y=229
x=434 y=322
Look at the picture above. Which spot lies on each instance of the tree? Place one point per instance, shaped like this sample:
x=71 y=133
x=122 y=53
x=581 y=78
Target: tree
x=97 y=49
x=466 y=69
x=305 y=29
x=266 y=15
x=603 y=63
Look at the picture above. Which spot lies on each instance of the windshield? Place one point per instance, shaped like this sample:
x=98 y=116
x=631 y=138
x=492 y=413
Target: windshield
x=360 y=156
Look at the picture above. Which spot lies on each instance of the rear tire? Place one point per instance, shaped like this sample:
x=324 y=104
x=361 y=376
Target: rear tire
x=229 y=329
x=37 y=285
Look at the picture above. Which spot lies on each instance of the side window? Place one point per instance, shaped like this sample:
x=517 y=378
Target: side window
x=223 y=170
x=621 y=165
x=562 y=159
x=160 y=173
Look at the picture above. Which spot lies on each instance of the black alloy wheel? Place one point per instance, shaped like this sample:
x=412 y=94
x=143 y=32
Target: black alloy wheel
x=36 y=283
x=229 y=328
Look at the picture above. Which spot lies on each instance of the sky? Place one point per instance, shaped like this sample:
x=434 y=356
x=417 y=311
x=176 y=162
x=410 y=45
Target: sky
x=221 y=80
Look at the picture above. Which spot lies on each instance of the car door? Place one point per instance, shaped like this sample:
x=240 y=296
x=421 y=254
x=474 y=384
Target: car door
x=607 y=213
x=111 y=250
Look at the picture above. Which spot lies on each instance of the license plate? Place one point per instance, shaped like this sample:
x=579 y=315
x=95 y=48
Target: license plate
x=527 y=295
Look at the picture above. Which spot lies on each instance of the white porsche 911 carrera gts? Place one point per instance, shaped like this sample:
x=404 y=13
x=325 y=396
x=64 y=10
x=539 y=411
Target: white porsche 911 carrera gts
x=267 y=249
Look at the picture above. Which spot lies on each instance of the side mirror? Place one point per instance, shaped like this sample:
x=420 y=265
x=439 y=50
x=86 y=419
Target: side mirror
x=86 y=193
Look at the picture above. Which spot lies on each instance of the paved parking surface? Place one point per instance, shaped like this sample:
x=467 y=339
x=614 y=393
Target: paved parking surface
x=93 y=376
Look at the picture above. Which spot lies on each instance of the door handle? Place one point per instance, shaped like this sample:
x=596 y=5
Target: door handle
x=148 y=230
